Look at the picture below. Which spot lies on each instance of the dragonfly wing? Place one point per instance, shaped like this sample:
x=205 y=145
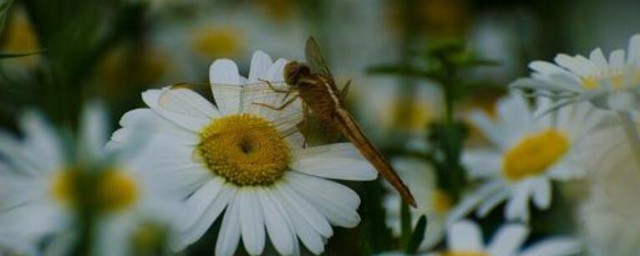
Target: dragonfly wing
x=352 y=131
x=190 y=100
x=315 y=60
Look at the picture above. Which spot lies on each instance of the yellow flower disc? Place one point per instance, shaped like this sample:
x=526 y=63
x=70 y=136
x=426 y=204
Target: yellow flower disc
x=534 y=154
x=245 y=149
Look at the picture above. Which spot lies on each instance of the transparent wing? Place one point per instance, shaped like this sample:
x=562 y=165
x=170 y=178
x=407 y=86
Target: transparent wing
x=315 y=59
x=198 y=101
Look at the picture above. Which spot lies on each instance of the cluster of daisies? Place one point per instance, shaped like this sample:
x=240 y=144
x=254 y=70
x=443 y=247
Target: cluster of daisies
x=571 y=122
x=174 y=169
x=189 y=163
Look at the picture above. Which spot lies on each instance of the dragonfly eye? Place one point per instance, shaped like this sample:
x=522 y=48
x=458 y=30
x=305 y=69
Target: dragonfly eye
x=293 y=71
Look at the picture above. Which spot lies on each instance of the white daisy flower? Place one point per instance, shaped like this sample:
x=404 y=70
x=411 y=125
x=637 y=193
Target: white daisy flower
x=528 y=152
x=433 y=203
x=249 y=160
x=608 y=217
x=464 y=238
x=39 y=189
x=608 y=84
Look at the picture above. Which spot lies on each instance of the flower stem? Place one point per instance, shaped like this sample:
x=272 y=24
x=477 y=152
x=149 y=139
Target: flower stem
x=631 y=131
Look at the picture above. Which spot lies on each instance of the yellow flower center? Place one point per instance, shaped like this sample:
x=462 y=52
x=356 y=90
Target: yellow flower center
x=245 y=149
x=534 y=154
x=213 y=42
x=590 y=83
x=147 y=237
x=114 y=190
x=441 y=202
x=463 y=253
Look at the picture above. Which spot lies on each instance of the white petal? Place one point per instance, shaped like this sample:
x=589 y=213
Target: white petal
x=229 y=235
x=277 y=222
x=308 y=223
x=138 y=123
x=299 y=207
x=571 y=64
x=494 y=132
x=616 y=59
x=492 y=202
x=225 y=72
x=335 y=201
x=94 y=131
x=464 y=236
x=276 y=72
x=189 y=103
x=472 y=200
x=41 y=144
x=633 y=49
x=334 y=161
x=260 y=65
x=251 y=221
x=598 y=58
x=152 y=99
x=518 y=206
x=542 y=193
x=204 y=207
x=507 y=240
x=554 y=247
x=482 y=163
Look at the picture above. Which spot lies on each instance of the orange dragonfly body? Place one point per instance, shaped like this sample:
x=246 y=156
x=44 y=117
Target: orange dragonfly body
x=314 y=84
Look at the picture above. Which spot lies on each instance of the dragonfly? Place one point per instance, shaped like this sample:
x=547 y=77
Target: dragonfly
x=313 y=83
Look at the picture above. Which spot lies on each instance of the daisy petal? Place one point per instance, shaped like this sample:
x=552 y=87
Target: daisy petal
x=508 y=240
x=260 y=65
x=310 y=228
x=251 y=221
x=205 y=205
x=298 y=206
x=555 y=246
x=225 y=72
x=190 y=123
x=335 y=161
x=277 y=222
x=229 y=235
x=465 y=236
x=542 y=193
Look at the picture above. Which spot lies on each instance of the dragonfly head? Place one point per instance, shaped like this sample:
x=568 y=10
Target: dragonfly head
x=293 y=71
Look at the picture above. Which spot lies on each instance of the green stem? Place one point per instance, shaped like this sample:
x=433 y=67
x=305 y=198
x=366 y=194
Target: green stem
x=405 y=224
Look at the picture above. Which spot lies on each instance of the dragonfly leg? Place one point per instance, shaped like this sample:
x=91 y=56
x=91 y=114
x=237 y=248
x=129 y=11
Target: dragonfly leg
x=273 y=88
x=284 y=105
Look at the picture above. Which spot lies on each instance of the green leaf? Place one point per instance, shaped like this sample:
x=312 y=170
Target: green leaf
x=417 y=236
x=7 y=55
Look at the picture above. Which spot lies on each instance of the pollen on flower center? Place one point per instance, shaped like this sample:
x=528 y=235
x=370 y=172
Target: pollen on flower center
x=110 y=190
x=245 y=149
x=441 y=202
x=534 y=154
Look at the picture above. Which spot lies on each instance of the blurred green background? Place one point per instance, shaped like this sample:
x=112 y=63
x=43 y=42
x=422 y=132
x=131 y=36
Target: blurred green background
x=113 y=50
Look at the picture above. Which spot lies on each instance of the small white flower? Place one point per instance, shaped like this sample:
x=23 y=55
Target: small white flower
x=249 y=160
x=433 y=203
x=38 y=187
x=464 y=238
x=608 y=84
x=528 y=152
x=609 y=216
